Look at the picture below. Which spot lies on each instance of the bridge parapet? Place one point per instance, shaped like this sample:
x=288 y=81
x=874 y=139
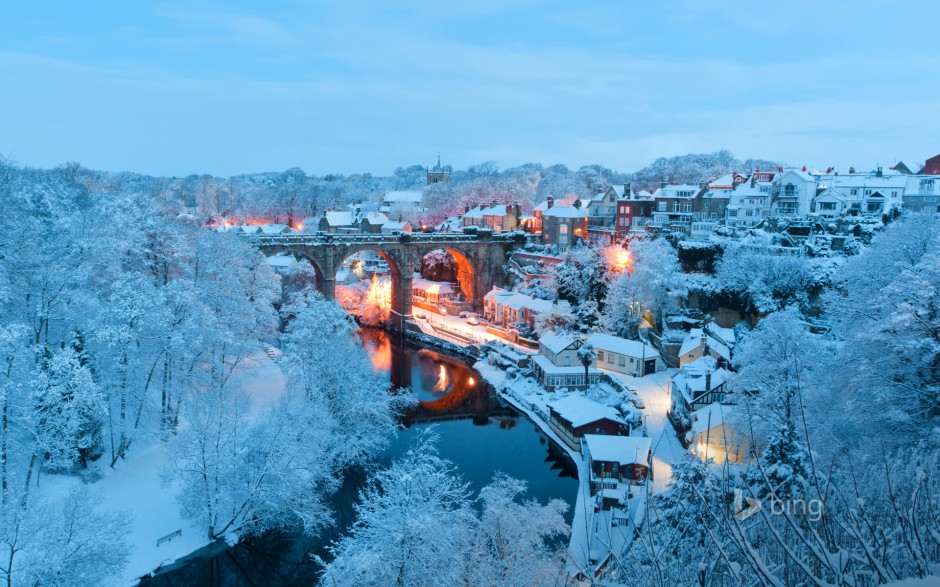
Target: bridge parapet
x=357 y=239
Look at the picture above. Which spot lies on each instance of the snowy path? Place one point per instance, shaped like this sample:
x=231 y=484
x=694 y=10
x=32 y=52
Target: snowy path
x=654 y=390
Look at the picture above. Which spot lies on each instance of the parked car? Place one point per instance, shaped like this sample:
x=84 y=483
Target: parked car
x=420 y=316
x=472 y=320
x=638 y=401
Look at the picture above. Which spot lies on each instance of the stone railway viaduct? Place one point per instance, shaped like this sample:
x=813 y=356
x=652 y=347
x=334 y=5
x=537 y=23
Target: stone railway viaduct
x=480 y=259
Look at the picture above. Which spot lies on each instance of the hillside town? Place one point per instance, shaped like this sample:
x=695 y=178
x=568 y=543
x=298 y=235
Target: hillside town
x=625 y=392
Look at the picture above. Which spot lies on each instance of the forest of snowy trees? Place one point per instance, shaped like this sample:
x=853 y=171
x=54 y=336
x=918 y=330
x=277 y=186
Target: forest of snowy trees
x=123 y=328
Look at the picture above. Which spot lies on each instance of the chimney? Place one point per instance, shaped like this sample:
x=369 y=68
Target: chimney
x=516 y=210
x=702 y=185
x=879 y=172
x=466 y=208
x=551 y=201
x=708 y=381
x=780 y=169
x=804 y=168
x=851 y=170
x=663 y=184
x=577 y=203
x=627 y=188
x=753 y=179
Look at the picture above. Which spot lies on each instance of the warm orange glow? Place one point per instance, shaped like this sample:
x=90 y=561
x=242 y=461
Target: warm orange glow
x=300 y=226
x=442 y=380
x=471 y=382
x=618 y=259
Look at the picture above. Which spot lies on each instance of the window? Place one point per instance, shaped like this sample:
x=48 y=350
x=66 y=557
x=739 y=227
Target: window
x=748 y=213
x=626 y=209
x=621 y=360
x=562 y=235
x=661 y=206
x=789 y=190
x=867 y=192
x=894 y=194
x=706 y=205
x=827 y=205
x=854 y=191
x=732 y=213
x=686 y=206
x=610 y=358
x=675 y=206
x=600 y=355
x=568 y=361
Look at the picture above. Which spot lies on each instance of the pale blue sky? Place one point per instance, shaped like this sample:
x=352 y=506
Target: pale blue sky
x=175 y=87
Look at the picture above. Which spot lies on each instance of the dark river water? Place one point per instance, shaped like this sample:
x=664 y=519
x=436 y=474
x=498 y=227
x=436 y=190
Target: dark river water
x=477 y=433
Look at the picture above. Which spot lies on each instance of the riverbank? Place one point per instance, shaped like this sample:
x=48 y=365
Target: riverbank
x=598 y=536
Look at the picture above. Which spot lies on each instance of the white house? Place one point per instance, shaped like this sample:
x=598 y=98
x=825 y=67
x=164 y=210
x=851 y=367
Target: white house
x=698 y=343
x=714 y=437
x=631 y=357
x=557 y=364
x=793 y=193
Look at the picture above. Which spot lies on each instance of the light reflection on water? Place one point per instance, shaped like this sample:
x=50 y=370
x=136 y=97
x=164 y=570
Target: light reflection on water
x=478 y=434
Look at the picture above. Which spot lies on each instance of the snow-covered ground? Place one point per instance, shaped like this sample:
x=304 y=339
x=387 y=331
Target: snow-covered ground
x=654 y=390
x=134 y=486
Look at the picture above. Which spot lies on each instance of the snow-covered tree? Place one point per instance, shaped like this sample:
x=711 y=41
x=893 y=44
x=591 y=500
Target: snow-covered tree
x=767 y=275
x=67 y=412
x=587 y=355
x=783 y=469
x=580 y=276
x=778 y=370
x=414 y=524
x=516 y=542
x=653 y=285
x=885 y=310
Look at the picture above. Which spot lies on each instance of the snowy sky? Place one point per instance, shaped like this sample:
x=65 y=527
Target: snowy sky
x=175 y=87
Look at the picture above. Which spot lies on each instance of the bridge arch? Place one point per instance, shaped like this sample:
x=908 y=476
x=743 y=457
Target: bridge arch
x=479 y=260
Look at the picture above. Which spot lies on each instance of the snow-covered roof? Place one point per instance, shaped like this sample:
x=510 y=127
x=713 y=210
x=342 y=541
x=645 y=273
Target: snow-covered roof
x=725 y=181
x=552 y=369
x=408 y=197
x=275 y=229
x=517 y=300
x=672 y=191
x=429 y=286
x=557 y=341
x=643 y=195
x=579 y=410
x=344 y=218
x=693 y=340
x=565 y=212
x=725 y=335
x=541 y=207
x=282 y=261
x=497 y=210
x=626 y=450
x=615 y=344
x=376 y=218
x=691 y=379
x=475 y=213
x=710 y=416
x=398 y=225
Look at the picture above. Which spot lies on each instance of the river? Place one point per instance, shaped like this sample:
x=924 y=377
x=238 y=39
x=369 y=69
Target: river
x=480 y=435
